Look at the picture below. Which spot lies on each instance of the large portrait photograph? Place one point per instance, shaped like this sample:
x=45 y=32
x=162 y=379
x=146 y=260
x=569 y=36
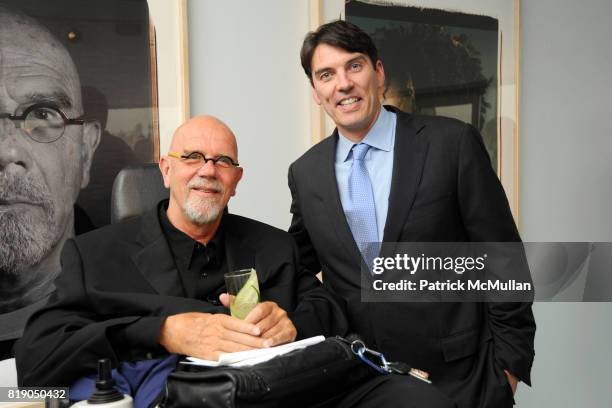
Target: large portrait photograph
x=78 y=102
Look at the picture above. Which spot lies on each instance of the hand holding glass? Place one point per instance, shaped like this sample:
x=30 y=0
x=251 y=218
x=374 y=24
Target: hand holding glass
x=243 y=290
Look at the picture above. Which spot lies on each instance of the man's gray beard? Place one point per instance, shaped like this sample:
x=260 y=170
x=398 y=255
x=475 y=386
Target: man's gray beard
x=26 y=240
x=203 y=210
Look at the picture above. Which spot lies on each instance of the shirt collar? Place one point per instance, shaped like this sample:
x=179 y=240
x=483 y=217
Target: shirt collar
x=379 y=136
x=183 y=247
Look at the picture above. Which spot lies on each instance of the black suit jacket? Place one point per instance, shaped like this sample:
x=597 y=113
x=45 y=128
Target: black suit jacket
x=119 y=283
x=443 y=189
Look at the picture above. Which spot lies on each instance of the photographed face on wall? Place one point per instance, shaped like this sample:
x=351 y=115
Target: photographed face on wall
x=348 y=87
x=39 y=179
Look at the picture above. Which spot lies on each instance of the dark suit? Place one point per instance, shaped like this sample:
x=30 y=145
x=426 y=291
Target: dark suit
x=118 y=284
x=443 y=189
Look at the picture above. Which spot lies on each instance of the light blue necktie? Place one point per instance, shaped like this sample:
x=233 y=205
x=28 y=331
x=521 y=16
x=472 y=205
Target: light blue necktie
x=359 y=208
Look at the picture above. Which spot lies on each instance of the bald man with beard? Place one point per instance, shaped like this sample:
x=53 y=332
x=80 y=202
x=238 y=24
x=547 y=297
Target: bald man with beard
x=150 y=288
x=45 y=156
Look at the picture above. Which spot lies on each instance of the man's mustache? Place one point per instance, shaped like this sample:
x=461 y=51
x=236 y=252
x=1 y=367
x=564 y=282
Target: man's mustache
x=24 y=189
x=206 y=184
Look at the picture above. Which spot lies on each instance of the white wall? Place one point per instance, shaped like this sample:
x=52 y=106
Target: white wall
x=566 y=185
x=245 y=69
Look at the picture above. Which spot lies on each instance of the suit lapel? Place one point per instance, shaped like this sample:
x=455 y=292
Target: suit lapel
x=409 y=155
x=154 y=260
x=331 y=196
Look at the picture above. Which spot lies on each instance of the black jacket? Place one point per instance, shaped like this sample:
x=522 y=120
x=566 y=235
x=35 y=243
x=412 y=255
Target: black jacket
x=118 y=284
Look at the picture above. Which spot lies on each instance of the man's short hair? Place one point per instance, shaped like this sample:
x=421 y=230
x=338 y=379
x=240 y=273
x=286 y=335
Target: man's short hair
x=340 y=34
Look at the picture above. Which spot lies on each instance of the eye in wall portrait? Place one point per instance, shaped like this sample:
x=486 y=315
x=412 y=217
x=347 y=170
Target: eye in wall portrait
x=437 y=62
x=77 y=104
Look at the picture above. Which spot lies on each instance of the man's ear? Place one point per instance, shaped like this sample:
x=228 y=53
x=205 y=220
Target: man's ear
x=380 y=80
x=380 y=73
x=238 y=178
x=91 y=139
x=164 y=167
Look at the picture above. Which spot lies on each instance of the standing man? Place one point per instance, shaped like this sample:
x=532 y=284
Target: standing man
x=46 y=151
x=388 y=176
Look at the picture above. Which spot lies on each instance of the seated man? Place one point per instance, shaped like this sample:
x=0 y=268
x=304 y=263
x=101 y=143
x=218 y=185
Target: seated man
x=144 y=290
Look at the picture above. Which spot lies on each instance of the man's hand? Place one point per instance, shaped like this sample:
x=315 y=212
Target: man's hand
x=512 y=380
x=276 y=327
x=205 y=335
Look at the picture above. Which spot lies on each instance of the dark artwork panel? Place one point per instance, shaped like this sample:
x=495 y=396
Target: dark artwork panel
x=437 y=62
x=77 y=105
x=109 y=43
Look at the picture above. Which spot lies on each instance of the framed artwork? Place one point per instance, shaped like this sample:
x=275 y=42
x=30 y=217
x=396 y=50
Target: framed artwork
x=92 y=86
x=449 y=58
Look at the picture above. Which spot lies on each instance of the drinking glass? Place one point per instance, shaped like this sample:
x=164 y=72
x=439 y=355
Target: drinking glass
x=243 y=289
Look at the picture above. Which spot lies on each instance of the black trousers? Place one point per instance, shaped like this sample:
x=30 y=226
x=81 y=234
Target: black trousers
x=394 y=391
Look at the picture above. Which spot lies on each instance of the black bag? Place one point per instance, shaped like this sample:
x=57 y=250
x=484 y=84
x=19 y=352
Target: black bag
x=312 y=377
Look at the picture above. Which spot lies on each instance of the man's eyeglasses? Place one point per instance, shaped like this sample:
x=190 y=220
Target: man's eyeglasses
x=197 y=159
x=43 y=122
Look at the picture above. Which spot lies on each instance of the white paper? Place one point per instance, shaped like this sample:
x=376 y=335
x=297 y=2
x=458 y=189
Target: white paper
x=250 y=357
